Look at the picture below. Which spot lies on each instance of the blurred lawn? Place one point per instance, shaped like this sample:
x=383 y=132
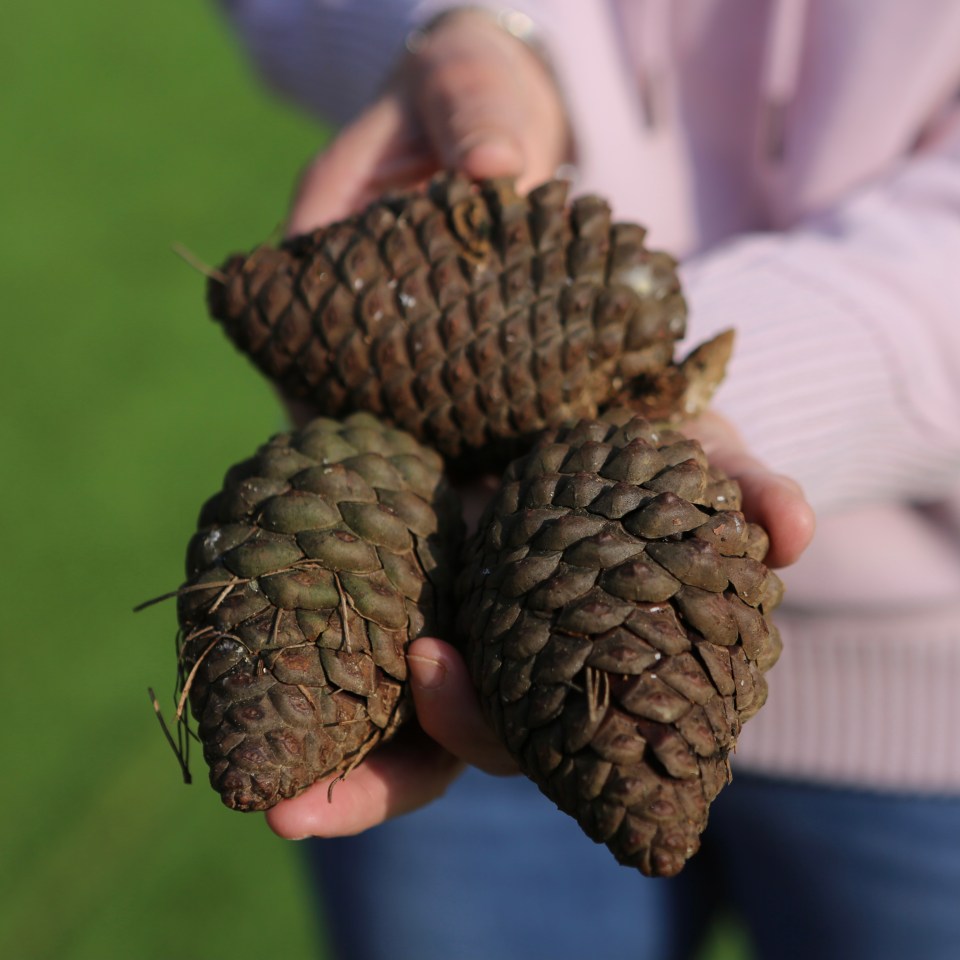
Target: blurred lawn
x=126 y=127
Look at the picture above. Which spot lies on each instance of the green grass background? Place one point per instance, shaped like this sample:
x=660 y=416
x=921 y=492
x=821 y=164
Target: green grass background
x=126 y=127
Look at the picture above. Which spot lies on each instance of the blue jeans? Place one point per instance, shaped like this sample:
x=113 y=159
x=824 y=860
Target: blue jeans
x=493 y=872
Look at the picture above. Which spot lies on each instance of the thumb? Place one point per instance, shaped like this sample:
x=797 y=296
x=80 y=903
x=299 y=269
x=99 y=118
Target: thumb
x=447 y=707
x=487 y=104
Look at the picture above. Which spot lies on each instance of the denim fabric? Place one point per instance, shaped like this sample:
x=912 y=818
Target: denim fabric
x=492 y=871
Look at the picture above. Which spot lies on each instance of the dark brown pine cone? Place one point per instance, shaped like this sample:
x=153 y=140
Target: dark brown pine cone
x=615 y=608
x=465 y=314
x=323 y=556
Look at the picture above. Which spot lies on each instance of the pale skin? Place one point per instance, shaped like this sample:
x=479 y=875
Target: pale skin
x=476 y=99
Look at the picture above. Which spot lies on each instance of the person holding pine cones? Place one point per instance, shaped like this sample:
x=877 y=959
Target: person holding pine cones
x=801 y=160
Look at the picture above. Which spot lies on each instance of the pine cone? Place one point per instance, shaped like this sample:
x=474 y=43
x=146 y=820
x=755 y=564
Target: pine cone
x=466 y=314
x=614 y=605
x=323 y=556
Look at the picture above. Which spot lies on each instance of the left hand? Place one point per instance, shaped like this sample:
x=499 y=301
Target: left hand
x=472 y=98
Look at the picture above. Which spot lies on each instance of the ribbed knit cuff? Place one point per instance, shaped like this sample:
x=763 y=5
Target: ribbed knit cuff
x=863 y=700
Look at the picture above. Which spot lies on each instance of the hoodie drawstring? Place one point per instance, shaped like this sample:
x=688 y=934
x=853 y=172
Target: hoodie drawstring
x=647 y=31
x=780 y=73
x=645 y=26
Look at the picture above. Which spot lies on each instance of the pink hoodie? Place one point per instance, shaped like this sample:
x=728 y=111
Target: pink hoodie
x=802 y=157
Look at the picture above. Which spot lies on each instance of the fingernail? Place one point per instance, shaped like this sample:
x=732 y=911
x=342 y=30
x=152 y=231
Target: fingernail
x=428 y=674
x=494 y=152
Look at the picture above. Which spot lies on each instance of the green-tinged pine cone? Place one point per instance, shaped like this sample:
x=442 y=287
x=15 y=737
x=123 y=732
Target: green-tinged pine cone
x=323 y=556
x=465 y=314
x=615 y=608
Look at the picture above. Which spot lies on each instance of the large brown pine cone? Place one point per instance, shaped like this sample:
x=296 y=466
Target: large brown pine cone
x=615 y=608
x=323 y=556
x=465 y=314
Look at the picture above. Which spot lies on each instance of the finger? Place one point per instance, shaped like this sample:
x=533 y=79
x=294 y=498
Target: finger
x=475 y=496
x=488 y=106
x=448 y=709
x=408 y=773
x=773 y=500
x=378 y=148
x=777 y=503
x=477 y=124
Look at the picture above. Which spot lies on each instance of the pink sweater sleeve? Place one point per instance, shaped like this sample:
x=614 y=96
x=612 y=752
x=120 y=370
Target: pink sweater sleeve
x=330 y=56
x=846 y=374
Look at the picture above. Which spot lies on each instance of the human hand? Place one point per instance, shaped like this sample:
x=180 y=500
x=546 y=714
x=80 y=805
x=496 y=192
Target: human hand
x=418 y=766
x=470 y=97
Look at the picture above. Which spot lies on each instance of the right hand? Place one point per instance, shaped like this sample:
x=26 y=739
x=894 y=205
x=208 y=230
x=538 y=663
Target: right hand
x=472 y=98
